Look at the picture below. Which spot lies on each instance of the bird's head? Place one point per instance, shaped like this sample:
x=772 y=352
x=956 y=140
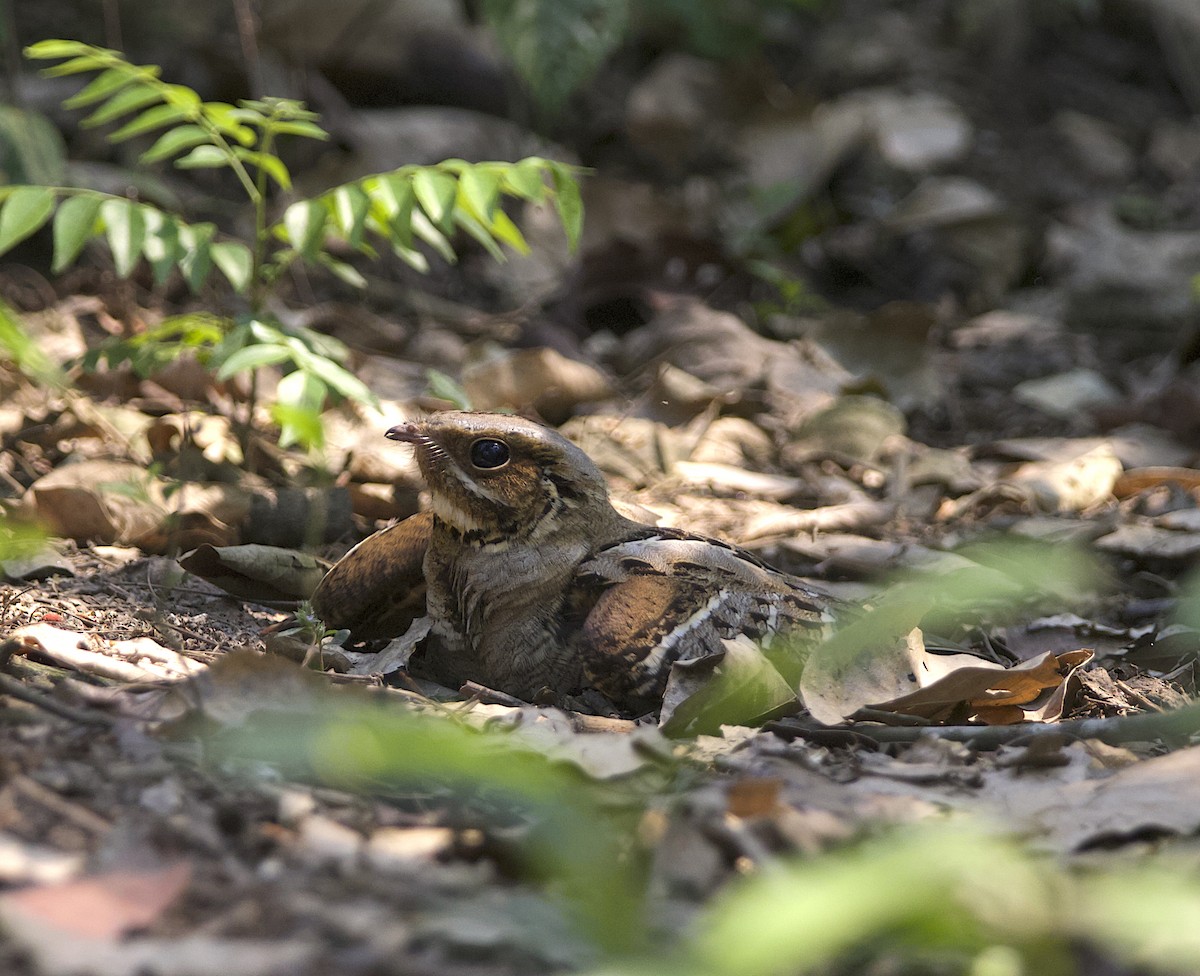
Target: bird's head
x=494 y=476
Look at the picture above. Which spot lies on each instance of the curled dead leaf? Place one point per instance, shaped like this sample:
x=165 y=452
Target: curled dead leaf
x=262 y=574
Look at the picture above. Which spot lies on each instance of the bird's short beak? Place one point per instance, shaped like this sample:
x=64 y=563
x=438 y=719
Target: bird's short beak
x=408 y=433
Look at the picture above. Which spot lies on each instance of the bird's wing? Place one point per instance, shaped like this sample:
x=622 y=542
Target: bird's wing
x=644 y=604
x=378 y=588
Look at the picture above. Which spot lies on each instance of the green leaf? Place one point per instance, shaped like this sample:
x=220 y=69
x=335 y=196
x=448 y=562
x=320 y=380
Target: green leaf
x=25 y=210
x=527 y=179
x=229 y=121
x=340 y=380
x=122 y=103
x=56 y=48
x=75 y=66
x=350 y=206
x=412 y=257
x=175 y=141
x=568 y=202
x=161 y=248
x=181 y=96
x=252 y=357
x=445 y=387
x=394 y=194
x=467 y=222
x=435 y=193
x=74 y=225
x=271 y=164
x=103 y=85
x=26 y=354
x=480 y=189
x=125 y=228
x=556 y=46
x=345 y=272
x=304 y=223
x=236 y=263
x=148 y=121
x=299 y=399
x=308 y=130
x=203 y=157
x=432 y=236
x=196 y=262
x=505 y=230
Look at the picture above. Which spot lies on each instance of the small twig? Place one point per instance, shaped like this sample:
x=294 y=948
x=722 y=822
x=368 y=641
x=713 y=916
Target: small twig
x=79 y=815
x=489 y=696
x=16 y=689
x=1116 y=730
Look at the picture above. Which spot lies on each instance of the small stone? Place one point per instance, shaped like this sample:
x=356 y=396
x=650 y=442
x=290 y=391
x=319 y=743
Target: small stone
x=1067 y=394
x=922 y=132
x=328 y=842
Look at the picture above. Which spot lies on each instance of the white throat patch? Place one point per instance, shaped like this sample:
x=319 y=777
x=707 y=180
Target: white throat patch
x=454 y=516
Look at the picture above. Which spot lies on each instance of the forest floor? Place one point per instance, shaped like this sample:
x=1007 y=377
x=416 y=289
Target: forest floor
x=976 y=387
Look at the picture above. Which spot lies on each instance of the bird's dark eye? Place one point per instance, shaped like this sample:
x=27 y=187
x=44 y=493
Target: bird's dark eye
x=489 y=453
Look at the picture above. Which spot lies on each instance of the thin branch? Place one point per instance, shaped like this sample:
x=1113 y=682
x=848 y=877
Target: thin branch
x=1179 y=723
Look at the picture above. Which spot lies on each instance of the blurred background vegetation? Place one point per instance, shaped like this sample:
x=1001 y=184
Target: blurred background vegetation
x=554 y=78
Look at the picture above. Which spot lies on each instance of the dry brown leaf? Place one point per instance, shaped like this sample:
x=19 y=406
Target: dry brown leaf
x=261 y=574
x=1142 y=479
x=100 y=501
x=963 y=687
x=119 y=502
x=905 y=679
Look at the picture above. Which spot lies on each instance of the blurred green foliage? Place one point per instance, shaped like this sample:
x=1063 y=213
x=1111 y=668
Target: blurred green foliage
x=944 y=897
x=557 y=46
x=406 y=211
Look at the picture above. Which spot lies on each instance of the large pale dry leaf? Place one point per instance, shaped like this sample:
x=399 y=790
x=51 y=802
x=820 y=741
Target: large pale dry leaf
x=860 y=667
x=38 y=565
x=261 y=574
x=24 y=863
x=141 y=659
x=740 y=687
x=600 y=755
x=855 y=668
x=395 y=654
x=860 y=515
x=1070 y=486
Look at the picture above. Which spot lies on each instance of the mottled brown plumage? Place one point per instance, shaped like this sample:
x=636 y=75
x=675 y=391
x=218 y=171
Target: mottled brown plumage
x=532 y=580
